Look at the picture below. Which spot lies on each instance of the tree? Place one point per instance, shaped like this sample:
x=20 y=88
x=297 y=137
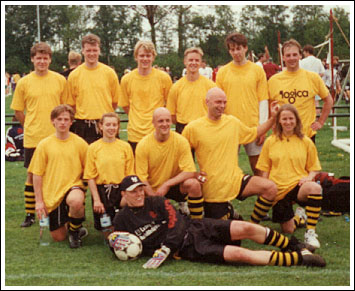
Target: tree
x=154 y=14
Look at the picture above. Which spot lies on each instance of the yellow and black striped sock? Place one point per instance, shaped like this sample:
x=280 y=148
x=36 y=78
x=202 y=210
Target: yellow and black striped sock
x=299 y=222
x=195 y=205
x=75 y=223
x=313 y=208
x=261 y=208
x=30 y=201
x=276 y=239
x=285 y=259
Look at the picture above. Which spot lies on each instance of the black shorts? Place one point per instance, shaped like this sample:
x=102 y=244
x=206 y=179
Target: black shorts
x=222 y=209
x=60 y=216
x=175 y=194
x=87 y=129
x=180 y=127
x=110 y=197
x=28 y=156
x=206 y=239
x=282 y=211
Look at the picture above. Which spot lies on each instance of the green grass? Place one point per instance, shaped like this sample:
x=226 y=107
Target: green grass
x=28 y=264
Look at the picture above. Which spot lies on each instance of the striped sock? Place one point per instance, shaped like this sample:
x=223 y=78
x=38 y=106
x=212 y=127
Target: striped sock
x=30 y=201
x=75 y=223
x=196 y=207
x=313 y=208
x=261 y=208
x=284 y=259
x=276 y=239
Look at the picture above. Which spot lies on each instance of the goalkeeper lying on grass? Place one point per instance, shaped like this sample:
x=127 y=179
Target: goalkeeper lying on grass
x=165 y=232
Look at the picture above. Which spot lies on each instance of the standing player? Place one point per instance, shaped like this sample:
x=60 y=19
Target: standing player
x=164 y=163
x=144 y=89
x=245 y=85
x=93 y=90
x=109 y=160
x=186 y=100
x=299 y=87
x=57 y=167
x=74 y=60
x=37 y=93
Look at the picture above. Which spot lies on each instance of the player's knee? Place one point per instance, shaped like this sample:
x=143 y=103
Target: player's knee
x=313 y=188
x=193 y=187
x=270 y=191
x=288 y=228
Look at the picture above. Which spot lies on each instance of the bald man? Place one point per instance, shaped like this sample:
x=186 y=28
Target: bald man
x=164 y=163
x=215 y=139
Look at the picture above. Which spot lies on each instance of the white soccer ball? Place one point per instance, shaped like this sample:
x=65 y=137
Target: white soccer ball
x=126 y=246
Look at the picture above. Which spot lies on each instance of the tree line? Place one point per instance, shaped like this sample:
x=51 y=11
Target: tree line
x=121 y=26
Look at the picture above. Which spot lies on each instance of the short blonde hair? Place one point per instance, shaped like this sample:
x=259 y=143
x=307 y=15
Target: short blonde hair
x=60 y=109
x=90 y=39
x=145 y=44
x=196 y=50
x=74 y=58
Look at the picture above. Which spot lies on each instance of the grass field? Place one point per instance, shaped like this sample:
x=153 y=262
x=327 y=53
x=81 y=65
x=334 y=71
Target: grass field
x=28 y=264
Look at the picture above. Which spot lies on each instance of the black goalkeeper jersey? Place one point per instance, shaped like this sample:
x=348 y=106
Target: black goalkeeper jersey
x=156 y=223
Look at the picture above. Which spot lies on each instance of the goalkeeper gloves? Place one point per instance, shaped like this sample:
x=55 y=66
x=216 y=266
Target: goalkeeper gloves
x=158 y=258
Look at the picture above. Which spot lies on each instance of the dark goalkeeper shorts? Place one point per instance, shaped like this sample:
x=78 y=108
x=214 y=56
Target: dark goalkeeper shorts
x=110 y=197
x=282 y=211
x=206 y=239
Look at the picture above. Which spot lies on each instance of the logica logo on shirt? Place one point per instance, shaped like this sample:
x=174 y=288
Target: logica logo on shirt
x=292 y=95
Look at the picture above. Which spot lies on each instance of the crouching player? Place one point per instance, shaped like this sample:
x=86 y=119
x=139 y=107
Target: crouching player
x=57 y=168
x=164 y=231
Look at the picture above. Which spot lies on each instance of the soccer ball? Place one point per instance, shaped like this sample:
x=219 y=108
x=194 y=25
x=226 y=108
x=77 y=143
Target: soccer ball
x=126 y=246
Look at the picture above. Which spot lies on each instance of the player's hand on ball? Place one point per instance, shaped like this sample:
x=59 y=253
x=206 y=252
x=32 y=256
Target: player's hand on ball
x=158 y=258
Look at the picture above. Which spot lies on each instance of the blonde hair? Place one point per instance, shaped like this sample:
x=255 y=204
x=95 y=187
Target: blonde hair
x=146 y=45
x=196 y=50
x=74 y=58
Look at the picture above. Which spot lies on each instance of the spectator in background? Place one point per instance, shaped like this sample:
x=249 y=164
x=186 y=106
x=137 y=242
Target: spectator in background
x=313 y=64
x=205 y=70
x=270 y=68
x=74 y=60
x=261 y=60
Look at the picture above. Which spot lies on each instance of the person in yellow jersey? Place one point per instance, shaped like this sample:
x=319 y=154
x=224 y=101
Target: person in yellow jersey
x=165 y=165
x=57 y=167
x=215 y=139
x=93 y=89
x=245 y=85
x=290 y=159
x=299 y=87
x=108 y=161
x=36 y=95
x=186 y=100
x=144 y=90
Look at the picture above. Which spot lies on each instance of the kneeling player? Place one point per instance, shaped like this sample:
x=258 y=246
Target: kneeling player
x=57 y=168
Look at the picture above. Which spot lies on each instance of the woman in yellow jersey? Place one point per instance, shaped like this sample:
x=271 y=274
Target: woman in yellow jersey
x=290 y=159
x=109 y=160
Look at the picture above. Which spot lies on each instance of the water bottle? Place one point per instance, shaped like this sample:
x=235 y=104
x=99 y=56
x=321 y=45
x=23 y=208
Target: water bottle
x=105 y=221
x=44 y=233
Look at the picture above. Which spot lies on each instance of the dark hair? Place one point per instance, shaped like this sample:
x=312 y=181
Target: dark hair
x=299 y=126
x=236 y=39
x=60 y=109
x=41 y=48
x=309 y=48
